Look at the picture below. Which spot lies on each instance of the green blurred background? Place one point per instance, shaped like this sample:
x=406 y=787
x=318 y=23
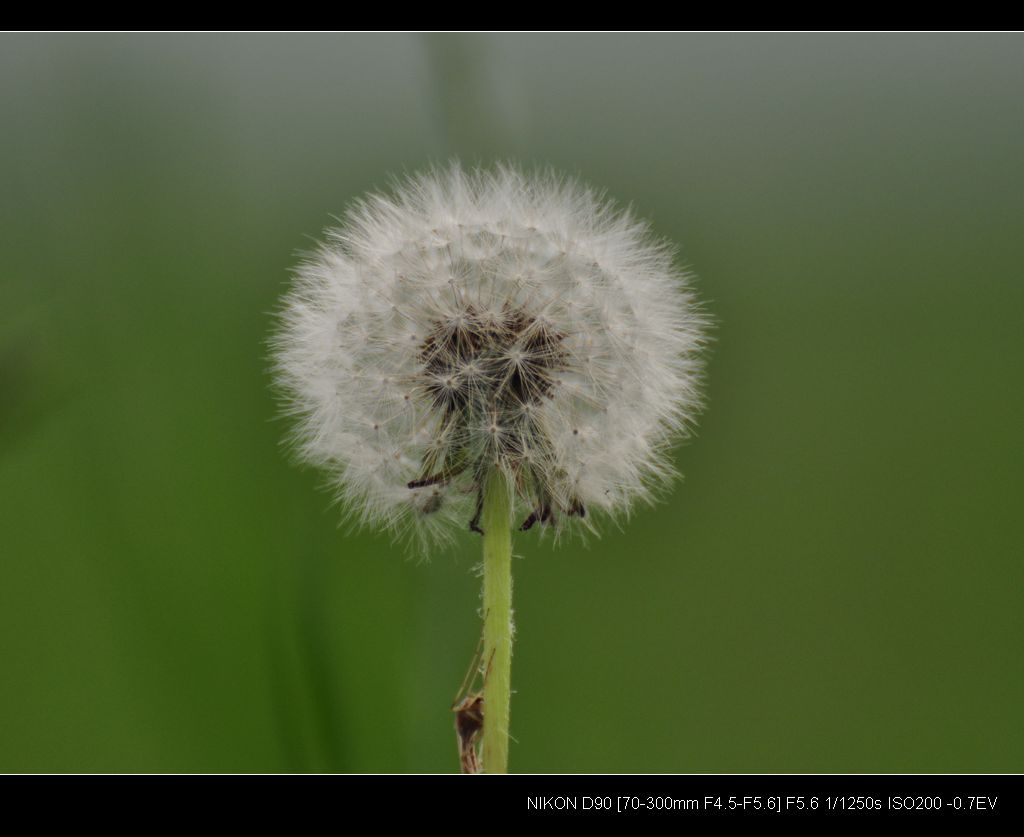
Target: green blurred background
x=836 y=585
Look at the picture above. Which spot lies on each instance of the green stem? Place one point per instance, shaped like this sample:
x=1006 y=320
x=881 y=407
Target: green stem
x=497 y=659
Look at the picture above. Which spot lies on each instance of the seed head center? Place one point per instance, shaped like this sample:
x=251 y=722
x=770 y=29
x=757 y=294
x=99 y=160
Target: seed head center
x=490 y=362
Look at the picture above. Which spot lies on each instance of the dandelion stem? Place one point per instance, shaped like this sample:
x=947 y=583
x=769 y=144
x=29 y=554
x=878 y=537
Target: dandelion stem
x=497 y=659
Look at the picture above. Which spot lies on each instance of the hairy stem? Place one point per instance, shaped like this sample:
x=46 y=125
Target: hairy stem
x=497 y=658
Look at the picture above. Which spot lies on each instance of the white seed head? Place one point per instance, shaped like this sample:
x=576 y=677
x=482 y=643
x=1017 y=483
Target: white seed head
x=467 y=321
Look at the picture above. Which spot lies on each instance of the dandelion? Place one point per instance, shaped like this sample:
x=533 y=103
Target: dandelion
x=476 y=348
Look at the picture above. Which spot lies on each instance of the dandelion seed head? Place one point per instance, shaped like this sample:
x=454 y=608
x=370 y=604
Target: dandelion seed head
x=471 y=320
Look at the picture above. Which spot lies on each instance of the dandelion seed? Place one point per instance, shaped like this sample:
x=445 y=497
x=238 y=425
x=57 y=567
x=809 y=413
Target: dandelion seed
x=473 y=346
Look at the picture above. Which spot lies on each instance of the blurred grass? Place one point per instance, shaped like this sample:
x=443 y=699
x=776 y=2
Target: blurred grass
x=834 y=587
